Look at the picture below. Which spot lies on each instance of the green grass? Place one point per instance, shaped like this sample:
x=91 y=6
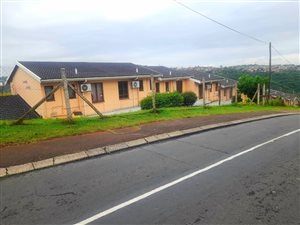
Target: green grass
x=42 y=129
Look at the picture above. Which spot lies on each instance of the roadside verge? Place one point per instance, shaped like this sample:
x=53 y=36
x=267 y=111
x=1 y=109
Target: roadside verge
x=125 y=145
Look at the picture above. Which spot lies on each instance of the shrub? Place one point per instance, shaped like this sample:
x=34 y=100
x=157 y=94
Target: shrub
x=163 y=100
x=189 y=98
x=276 y=102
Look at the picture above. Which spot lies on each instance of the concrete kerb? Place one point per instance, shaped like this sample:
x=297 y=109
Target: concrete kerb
x=58 y=160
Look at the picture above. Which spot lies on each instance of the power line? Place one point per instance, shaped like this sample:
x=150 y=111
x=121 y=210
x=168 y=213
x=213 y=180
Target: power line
x=221 y=24
x=232 y=29
x=281 y=55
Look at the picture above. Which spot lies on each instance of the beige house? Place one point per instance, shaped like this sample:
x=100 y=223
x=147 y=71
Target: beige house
x=108 y=86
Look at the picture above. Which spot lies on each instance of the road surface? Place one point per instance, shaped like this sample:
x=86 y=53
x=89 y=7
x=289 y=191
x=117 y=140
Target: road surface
x=243 y=182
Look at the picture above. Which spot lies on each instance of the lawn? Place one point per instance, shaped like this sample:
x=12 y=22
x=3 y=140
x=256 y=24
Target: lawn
x=42 y=129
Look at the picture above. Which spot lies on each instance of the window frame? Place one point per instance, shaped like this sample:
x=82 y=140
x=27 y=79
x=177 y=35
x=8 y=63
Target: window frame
x=157 y=87
x=70 y=90
x=51 y=98
x=97 y=99
x=141 y=88
x=126 y=96
x=167 y=86
x=181 y=86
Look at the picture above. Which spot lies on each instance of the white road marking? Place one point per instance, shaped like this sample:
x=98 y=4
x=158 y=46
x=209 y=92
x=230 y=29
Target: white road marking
x=158 y=189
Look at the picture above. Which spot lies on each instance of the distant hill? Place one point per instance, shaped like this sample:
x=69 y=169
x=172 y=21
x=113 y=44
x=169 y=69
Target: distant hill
x=284 y=80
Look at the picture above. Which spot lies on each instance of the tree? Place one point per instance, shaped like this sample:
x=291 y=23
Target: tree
x=248 y=84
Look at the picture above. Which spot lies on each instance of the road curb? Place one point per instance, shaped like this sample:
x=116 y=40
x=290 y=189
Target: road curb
x=63 y=159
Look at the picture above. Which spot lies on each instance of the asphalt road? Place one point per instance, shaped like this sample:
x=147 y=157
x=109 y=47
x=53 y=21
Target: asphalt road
x=258 y=187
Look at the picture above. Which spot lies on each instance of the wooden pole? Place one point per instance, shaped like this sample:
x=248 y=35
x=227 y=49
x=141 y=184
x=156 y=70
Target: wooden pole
x=254 y=96
x=258 y=93
x=20 y=120
x=86 y=101
x=264 y=94
x=203 y=91
x=153 y=94
x=220 y=96
x=236 y=93
x=270 y=72
x=66 y=94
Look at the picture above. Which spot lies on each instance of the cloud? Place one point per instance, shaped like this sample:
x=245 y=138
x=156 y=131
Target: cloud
x=147 y=31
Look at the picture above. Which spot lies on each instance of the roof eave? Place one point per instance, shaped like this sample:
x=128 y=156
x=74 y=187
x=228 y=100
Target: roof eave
x=101 y=78
x=32 y=74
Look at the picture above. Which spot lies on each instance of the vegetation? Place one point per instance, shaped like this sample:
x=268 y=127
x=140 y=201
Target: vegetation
x=276 y=102
x=248 y=84
x=163 y=100
x=42 y=129
x=287 y=80
x=189 y=98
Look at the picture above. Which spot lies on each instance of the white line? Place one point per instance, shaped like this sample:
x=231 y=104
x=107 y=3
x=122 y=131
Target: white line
x=156 y=190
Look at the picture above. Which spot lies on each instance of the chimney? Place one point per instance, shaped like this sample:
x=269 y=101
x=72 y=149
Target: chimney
x=137 y=70
x=209 y=75
x=170 y=73
x=75 y=70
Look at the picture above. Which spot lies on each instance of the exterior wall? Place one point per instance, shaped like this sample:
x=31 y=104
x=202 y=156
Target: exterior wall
x=32 y=91
x=28 y=88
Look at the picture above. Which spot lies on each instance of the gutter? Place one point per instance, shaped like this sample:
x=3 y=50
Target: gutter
x=101 y=78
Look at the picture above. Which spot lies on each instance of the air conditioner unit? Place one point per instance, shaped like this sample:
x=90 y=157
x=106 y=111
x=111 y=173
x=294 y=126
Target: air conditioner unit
x=135 y=84
x=85 y=87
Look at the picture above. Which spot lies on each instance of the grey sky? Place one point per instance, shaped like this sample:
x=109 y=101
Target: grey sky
x=148 y=32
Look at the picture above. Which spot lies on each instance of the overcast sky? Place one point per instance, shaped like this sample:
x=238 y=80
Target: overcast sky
x=148 y=32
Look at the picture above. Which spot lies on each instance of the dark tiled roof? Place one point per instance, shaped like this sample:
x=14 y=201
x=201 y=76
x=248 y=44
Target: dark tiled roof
x=13 y=107
x=51 y=70
x=283 y=95
x=199 y=75
x=168 y=72
x=227 y=82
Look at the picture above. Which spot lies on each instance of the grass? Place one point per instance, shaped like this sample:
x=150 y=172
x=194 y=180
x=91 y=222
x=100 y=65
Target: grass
x=42 y=129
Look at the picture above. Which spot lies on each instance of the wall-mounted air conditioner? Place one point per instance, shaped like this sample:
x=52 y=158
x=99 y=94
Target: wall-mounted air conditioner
x=135 y=84
x=85 y=87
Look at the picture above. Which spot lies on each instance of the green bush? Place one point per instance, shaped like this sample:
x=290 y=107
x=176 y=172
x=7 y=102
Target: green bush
x=189 y=98
x=276 y=102
x=163 y=100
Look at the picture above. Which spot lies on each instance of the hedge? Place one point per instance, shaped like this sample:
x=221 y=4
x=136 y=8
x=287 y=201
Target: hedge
x=163 y=100
x=189 y=98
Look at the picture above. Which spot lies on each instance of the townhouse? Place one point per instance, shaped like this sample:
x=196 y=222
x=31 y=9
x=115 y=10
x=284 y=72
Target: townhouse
x=108 y=86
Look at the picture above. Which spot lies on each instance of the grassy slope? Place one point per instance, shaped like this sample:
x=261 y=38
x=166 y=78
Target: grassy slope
x=39 y=129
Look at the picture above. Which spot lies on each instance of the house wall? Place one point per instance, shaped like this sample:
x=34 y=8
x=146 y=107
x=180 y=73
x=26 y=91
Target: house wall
x=28 y=88
x=32 y=91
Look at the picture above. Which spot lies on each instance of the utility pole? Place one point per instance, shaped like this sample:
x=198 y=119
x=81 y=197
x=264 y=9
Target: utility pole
x=153 y=94
x=258 y=93
x=66 y=94
x=264 y=93
x=270 y=72
x=203 y=91
x=236 y=93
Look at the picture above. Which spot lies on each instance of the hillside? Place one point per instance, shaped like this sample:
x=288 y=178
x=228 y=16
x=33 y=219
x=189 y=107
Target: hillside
x=284 y=80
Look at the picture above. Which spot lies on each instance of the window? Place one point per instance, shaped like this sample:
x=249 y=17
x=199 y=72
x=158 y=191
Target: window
x=167 y=87
x=72 y=93
x=97 y=92
x=141 y=85
x=150 y=84
x=200 y=91
x=123 y=89
x=179 y=86
x=230 y=92
x=48 y=89
x=157 y=87
x=217 y=86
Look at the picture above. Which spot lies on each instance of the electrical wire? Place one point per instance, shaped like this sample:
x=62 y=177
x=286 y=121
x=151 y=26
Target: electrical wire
x=221 y=24
x=232 y=29
x=281 y=54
